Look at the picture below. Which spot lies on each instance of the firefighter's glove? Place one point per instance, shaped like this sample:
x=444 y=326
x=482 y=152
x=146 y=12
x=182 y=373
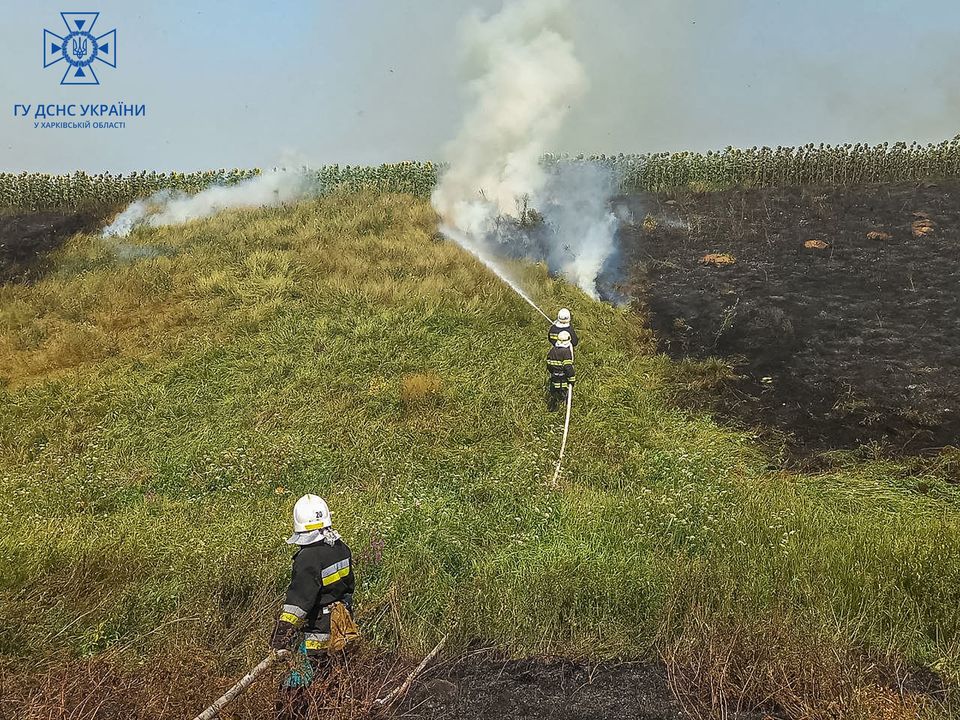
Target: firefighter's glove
x=283 y=635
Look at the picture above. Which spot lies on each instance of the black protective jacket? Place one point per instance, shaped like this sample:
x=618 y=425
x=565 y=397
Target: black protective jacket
x=322 y=575
x=560 y=366
x=555 y=330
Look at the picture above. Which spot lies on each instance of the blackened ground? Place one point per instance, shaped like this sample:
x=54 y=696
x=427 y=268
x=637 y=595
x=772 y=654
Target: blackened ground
x=26 y=238
x=852 y=344
x=551 y=688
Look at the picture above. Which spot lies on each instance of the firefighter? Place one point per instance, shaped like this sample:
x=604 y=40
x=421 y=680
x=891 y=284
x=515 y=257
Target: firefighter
x=562 y=323
x=560 y=367
x=319 y=599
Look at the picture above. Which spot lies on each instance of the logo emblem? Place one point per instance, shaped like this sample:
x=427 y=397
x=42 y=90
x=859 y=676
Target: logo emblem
x=80 y=47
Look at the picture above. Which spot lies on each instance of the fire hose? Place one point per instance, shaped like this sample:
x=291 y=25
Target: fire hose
x=566 y=422
x=274 y=657
x=566 y=427
x=246 y=681
x=566 y=431
x=467 y=243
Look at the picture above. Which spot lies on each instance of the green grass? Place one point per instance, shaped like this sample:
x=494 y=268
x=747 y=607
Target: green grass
x=159 y=416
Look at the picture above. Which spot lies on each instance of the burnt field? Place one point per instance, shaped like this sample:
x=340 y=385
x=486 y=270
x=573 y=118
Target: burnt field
x=477 y=689
x=839 y=310
x=27 y=237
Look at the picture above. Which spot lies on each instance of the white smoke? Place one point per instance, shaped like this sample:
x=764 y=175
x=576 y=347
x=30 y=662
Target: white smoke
x=524 y=79
x=169 y=207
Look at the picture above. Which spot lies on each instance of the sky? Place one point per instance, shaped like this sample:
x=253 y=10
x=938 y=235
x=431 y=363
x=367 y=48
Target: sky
x=311 y=82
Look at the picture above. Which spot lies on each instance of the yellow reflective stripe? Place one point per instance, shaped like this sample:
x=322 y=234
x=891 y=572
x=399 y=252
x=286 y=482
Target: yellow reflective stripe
x=568 y=362
x=290 y=618
x=339 y=575
x=311 y=644
x=336 y=567
x=294 y=609
x=315 y=526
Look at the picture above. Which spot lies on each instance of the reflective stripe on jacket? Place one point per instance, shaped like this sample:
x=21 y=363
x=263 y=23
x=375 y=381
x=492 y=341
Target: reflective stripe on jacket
x=554 y=332
x=322 y=575
x=560 y=365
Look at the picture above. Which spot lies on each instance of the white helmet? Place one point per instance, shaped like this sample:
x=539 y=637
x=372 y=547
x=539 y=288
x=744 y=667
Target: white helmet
x=311 y=513
x=563 y=339
x=563 y=317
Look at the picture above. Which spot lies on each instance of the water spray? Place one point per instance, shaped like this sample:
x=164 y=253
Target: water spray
x=465 y=241
x=524 y=77
x=468 y=244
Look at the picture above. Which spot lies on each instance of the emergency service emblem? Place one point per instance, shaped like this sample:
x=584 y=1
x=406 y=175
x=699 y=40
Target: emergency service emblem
x=82 y=48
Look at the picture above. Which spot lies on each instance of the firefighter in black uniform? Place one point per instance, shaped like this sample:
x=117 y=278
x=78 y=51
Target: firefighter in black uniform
x=560 y=367
x=562 y=323
x=322 y=578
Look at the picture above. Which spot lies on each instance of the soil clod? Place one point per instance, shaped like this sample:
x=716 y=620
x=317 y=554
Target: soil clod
x=718 y=259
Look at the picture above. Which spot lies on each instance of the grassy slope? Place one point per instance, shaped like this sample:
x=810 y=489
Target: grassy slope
x=166 y=400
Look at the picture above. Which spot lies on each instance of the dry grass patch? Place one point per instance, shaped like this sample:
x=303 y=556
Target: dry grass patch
x=421 y=390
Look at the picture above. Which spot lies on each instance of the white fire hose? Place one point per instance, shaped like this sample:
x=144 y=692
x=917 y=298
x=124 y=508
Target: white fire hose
x=566 y=430
x=468 y=244
x=246 y=681
x=566 y=426
x=566 y=422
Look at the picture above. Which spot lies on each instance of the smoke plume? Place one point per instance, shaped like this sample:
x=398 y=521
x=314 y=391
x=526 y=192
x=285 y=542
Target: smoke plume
x=523 y=77
x=168 y=207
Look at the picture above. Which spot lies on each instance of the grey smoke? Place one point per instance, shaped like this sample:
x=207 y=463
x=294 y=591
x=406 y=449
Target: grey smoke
x=581 y=225
x=169 y=207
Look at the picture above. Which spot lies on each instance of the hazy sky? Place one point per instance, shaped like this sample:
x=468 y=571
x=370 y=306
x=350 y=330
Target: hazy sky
x=239 y=84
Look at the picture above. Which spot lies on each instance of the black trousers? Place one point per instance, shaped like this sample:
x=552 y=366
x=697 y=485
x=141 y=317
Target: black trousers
x=556 y=391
